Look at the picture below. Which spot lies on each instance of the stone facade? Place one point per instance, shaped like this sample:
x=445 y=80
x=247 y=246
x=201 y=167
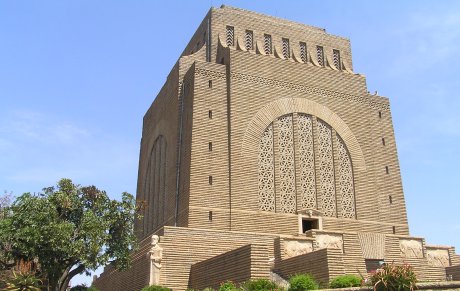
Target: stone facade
x=265 y=150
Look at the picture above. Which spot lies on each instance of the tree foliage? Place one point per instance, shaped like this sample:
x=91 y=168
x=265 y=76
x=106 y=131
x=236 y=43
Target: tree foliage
x=69 y=229
x=6 y=264
x=5 y=201
x=83 y=288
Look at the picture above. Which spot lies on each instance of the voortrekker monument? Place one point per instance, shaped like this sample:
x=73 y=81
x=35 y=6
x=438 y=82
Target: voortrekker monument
x=264 y=155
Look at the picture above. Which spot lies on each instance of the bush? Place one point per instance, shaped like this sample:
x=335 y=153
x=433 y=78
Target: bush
x=23 y=281
x=155 y=288
x=393 y=277
x=260 y=285
x=228 y=286
x=83 y=288
x=345 y=281
x=301 y=282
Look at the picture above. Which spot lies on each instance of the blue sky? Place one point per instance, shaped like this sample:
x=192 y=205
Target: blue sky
x=76 y=78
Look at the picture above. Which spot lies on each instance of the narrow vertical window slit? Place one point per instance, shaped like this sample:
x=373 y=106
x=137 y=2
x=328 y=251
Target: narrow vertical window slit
x=230 y=35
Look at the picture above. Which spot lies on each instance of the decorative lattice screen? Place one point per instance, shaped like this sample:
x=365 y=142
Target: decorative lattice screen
x=266 y=171
x=317 y=173
x=286 y=164
x=345 y=178
x=307 y=161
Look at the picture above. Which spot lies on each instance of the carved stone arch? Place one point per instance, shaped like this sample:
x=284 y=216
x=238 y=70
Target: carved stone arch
x=265 y=116
x=198 y=52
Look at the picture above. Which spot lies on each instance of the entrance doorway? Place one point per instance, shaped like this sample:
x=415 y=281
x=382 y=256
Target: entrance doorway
x=309 y=224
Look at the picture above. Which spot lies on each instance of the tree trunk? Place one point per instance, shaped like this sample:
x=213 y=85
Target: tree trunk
x=63 y=280
x=67 y=275
x=53 y=284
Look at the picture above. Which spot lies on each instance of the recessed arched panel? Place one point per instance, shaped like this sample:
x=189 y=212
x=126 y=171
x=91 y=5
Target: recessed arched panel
x=311 y=166
x=283 y=106
x=154 y=190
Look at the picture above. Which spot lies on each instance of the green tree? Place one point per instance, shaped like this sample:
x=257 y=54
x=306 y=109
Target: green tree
x=5 y=201
x=6 y=264
x=69 y=229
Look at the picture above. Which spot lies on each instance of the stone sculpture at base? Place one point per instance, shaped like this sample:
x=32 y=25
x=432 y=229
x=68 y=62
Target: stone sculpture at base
x=155 y=256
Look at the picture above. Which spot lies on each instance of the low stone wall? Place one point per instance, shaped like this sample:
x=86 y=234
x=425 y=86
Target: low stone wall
x=184 y=247
x=453 y=271
x=323 y=264
x=135 y=278
x=239 y=265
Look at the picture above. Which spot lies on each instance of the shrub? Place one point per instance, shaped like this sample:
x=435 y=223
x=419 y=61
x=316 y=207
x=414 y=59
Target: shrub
x=79 y=288
x=155 y=288
x=260 y=285
x=228 y=286
x=393 y=277
x=301 y=282
x=83 y=288
x=345 y=281
x=23 y=281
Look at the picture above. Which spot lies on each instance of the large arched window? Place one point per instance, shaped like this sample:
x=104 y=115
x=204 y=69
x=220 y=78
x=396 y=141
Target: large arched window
x=304 y=164
x=154 y=186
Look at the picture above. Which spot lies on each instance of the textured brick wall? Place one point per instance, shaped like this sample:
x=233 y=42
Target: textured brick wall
x=454 y=258
x=454 y=271
x=322 y=264
x=206 y=162
x=422 y=269
x=184 y=247
x=245 y=99
x=252 y=96
x=133 y=279
x=160 y=119
x=239 y=265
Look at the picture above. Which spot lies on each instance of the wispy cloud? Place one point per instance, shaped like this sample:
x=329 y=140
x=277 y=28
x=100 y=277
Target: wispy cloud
x=37 y=149
x=427 y=40
x=37 y=127
x=44 y=173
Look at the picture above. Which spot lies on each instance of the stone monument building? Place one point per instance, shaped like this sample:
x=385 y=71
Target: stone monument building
x=264 y=155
